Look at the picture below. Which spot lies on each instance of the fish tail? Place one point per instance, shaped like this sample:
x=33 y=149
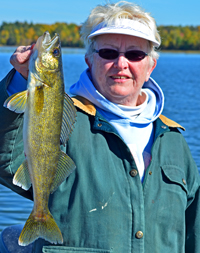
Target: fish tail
x=44 y=227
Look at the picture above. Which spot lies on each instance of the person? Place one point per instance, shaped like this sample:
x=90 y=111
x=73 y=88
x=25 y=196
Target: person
x=136 y=185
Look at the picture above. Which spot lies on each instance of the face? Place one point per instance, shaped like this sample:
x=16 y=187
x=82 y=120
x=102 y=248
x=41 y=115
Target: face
x=120 y=80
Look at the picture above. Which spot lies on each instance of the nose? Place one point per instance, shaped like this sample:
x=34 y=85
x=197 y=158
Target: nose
x=121 y=62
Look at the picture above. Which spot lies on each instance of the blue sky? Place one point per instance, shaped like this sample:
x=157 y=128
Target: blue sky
x=166 y=12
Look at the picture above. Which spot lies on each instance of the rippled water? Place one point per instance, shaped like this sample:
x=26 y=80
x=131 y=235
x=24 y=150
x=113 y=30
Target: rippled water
x=177 y=74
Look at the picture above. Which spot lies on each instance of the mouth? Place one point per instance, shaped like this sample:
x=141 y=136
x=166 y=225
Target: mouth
x=49 y=42
x=119 y=77
x=46 y=37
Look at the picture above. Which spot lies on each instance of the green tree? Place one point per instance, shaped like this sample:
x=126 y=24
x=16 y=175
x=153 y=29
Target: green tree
x=4 y=37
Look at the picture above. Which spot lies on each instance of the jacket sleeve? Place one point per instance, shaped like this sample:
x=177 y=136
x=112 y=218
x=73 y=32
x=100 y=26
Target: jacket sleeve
x=11 y=143
x=193 y=222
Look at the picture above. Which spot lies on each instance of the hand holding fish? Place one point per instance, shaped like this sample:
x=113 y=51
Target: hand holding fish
x=20 y=59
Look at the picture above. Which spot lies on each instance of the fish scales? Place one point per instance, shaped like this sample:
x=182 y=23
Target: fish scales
x=43 y=136
x=45 y=166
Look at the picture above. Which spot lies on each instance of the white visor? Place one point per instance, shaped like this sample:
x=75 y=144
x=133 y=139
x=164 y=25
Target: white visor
x=127 y=27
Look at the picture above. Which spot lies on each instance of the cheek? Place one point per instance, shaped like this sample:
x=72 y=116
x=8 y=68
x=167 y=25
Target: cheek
x=100 y=79
x=97 y=76
x=140 y=72
x=99 y=72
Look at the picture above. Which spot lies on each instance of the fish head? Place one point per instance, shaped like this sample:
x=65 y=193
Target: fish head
x=46 y=60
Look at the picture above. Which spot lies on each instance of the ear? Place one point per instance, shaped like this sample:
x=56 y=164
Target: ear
x=88 y=62
x=150 y=70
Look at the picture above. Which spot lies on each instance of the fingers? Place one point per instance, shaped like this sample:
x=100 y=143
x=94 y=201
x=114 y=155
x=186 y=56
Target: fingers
x=21 y=55
x=20 y=59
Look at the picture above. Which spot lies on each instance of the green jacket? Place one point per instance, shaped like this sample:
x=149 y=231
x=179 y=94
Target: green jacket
x=103 y=206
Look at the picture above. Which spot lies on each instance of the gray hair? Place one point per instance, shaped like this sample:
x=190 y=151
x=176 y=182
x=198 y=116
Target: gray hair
x=109 y=12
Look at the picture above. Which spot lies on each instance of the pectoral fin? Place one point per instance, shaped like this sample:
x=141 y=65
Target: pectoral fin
x=69 y=117
x=65 y=167
x=17 y=102
x=22 y=177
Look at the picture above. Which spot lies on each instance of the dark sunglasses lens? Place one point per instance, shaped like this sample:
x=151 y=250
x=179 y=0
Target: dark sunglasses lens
x=111 y=54
x=135 y=55
x=108 y=54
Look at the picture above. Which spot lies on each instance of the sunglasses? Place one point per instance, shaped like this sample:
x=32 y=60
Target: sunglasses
x=111 y=54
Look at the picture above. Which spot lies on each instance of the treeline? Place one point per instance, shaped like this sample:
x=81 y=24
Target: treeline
x=23 y=33
x=180 y=38
x=19 y=33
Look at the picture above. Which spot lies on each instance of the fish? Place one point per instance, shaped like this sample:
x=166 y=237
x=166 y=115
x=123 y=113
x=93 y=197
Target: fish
x=49 y=117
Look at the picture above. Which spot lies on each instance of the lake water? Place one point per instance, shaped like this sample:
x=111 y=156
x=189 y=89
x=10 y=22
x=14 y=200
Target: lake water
x=176 y=73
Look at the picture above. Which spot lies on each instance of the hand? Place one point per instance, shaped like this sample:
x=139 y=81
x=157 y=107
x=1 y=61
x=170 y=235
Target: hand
x=20 y=59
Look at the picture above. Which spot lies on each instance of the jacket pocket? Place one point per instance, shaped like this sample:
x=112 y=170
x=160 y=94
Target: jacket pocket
x=175 y=176
x=63 y=249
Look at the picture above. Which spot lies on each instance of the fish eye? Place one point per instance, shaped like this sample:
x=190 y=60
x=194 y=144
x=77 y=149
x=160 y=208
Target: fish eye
x=56 y=52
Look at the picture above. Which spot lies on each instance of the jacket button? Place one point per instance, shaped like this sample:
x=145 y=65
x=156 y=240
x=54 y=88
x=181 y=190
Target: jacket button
x=133 y=173
x=139 y=234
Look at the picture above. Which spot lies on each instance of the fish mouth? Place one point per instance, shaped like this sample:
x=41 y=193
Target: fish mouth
x=42 y=52
x=49 y=42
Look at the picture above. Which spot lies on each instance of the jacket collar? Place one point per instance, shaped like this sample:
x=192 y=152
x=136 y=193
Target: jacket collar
x=86 y=106
x=170 y=123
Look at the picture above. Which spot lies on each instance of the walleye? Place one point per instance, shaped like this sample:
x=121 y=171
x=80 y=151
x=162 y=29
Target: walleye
x=49 y=115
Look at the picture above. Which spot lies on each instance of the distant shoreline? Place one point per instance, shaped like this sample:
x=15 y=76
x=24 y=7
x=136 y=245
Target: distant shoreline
x=179 y=51
x=159 y=51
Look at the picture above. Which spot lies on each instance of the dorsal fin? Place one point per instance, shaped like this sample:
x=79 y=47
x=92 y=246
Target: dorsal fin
x=69 y=118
